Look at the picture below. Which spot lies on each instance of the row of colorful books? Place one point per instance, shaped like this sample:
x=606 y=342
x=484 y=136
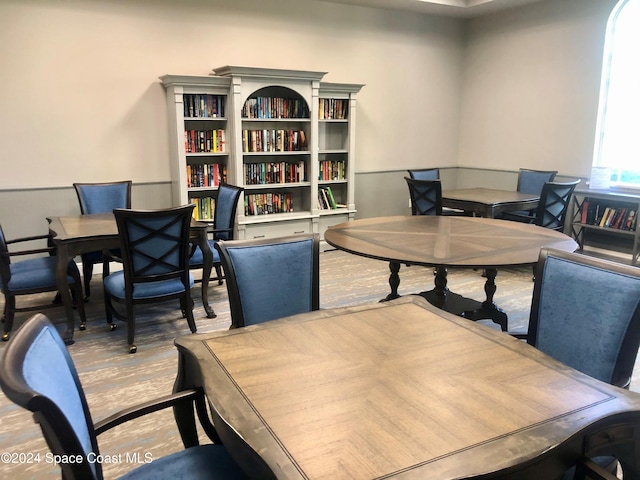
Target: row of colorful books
x=205 y=208
x=203 y=105
x=273 y=172
x=275 y=107
x=206 y=175
x=266 y=203
x=607 y=215
x=274 y=141
x=332 y=170
x=209 y=141
x=333 y=109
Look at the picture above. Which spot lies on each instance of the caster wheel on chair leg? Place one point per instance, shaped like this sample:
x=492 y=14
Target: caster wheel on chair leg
x=5 y=336
x=112 y=327
x=133 y=349
x=83 y=326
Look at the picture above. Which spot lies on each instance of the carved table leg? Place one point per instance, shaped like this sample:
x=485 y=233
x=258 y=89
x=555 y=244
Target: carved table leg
x=394 y=281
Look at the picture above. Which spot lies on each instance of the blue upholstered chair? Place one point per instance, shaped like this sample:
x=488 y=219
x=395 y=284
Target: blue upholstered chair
x=155 y=255
x=38 y=374
x=532 y=181
x=552 y=207
x=271 y=278
x=425 y=174
x=35 y=274
x=586 y=313
x=100 y=198
x=426 y=196
x=224 y=217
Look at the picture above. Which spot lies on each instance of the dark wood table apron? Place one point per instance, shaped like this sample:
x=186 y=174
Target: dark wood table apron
x=488 y=202
x=445 y=242
x=79 y=234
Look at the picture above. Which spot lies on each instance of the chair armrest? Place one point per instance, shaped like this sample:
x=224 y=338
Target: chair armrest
x=219 y=230
x=145 y=408
x=49 y=249
x=27 y=239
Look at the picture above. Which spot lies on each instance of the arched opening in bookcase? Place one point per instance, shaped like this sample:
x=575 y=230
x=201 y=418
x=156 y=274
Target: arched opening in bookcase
x=275 y=102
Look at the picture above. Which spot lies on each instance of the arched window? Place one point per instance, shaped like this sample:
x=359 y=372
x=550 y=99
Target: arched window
x=617 y=144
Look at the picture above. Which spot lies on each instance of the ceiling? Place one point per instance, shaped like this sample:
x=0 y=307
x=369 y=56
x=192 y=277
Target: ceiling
x=451 y=8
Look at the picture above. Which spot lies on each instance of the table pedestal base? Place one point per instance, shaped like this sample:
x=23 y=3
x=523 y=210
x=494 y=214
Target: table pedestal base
x=443 y=298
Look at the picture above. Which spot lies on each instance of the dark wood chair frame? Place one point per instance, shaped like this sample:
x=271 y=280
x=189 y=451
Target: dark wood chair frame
x=133 y=275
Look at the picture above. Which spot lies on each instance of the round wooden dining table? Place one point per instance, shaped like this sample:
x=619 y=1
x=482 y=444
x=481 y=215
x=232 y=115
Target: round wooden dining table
x=448 y=242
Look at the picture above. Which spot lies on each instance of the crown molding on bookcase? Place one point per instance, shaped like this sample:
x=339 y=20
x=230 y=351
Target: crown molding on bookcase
x=305 y=75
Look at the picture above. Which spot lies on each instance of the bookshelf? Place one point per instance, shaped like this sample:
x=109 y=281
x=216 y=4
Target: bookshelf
x=199 y=143
x=278 y=144
x=336 y=152
x=606 y=220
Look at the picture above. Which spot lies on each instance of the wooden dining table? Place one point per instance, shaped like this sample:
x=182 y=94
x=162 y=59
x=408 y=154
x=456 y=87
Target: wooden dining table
x=74 y=235
x=448 y=242
x=488 y=202
x=402 y=390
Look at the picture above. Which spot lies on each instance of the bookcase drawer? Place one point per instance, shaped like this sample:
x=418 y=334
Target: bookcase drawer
x=279 y=229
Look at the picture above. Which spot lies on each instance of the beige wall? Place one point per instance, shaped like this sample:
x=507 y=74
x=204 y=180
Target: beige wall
x=81 y=101
x=80 y=98
x=531 y=85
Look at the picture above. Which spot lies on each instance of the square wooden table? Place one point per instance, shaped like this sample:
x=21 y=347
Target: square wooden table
x=79 y=234
x=400 y=390
x=488 y=202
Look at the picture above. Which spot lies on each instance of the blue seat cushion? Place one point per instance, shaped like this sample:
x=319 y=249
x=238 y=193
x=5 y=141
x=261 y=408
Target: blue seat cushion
x=114 y=284
x=205 y=462
x=196 y=258
x=36 y=273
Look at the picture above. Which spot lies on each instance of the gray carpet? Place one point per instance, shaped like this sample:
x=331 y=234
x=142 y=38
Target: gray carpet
x=114 y=379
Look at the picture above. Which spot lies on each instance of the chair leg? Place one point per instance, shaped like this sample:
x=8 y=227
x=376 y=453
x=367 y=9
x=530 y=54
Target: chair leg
x=187 y=306
x=131 y=327
x=219 y=274
x=9 y=315
x=108 y=310
x=87 y=272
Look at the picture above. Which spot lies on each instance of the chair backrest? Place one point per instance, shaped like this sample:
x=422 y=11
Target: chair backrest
x=532 y=181
x=426 y=196
x=425 y=174
x=155 y=244
x=37 y=373
x=586 y=313
x=103 y=197
x=271 y=278
x=225 y=212
x=554 y=203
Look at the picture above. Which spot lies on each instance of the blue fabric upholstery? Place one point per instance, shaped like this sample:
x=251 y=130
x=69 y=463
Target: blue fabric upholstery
x=426 y=196
x=36 y=273
x=275 y=279
x=207 y=462
x=532 y=181
x=226 y=203
x=272 y=278
x=196 y=258
x=44 y=373
x=103 y=198
x=115 y=285
x=425 y=174
x=583 y=315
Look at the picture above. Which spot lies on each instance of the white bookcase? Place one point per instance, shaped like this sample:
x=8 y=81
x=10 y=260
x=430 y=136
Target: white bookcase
x=295 y=161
